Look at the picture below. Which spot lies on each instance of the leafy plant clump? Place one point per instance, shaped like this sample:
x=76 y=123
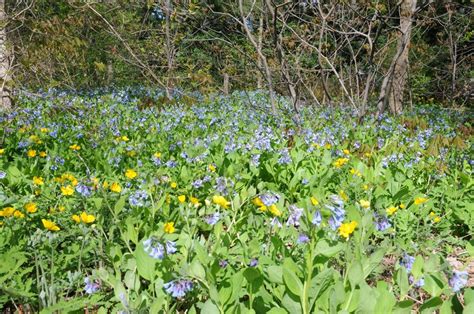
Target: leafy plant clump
x=220 y=206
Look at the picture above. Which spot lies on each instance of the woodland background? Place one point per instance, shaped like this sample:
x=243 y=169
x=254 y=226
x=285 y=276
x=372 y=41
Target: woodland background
x=321 y=52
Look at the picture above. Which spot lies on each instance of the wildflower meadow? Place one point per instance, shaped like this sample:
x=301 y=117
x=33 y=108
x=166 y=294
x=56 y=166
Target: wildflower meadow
x=224 y=206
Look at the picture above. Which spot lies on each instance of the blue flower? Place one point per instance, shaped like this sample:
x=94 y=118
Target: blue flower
x=154 y=248
x=253 y=262
x=3 y=174
x=407 y=262
x=317 y=218
x=91 y=286
x=223 y=263
x=382 y=223
x=458 y=280
x=212 y=219
x=269 y=199
x=171 y=247
x=178 y=288
x=302 y=239
x=295 y=215
x=83 y=189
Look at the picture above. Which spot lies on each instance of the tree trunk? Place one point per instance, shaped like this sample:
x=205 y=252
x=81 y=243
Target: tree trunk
x=393 y=85
x=5 y=66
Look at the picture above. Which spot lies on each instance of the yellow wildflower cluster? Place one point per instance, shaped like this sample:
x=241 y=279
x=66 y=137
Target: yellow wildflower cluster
x=169 y=227
x=435 y=217
x=273 y=209
x=84 y=217
x=346 y=229
x=340 y=162
x=131 y=174
x=221 y=201
x=420 y=200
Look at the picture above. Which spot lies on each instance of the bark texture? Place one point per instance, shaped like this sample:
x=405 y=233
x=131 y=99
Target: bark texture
x=5 y=65
x=393 y=85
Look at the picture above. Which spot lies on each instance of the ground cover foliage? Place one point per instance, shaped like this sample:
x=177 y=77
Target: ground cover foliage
x=112 y=203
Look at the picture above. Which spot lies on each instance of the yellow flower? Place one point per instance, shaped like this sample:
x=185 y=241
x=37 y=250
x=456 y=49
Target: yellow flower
x=157 y=155
x=174 y=185
x=7 y=212
x=75 y=147
x=368 y=155
x=340 y=162
x=436 y=219
x=44 y=130
x=257 y=201
x=2 y=151
x=169 y=227
x=314 y=201
x=402 y=206
x=327 y=146
x=88 y=219
x=364 y=203
x=115 y=187
x=61 y=208
x=365 y=187
x=346 y=151
x=343 y=195
x=355 y=172
x=212 y=168
x=274 y=210
x=132 y=153
x=194 y=201
x=131 y=174
x=263 y=208
x=43 y=154
x=391 y=210
x=76 y=218
x=420 y=200
x=432 y=214
x=38 y=181
x=67 y=190
x=221 y=201
x=31 y=208
x=51 y=226
x=345 y=230
x=125 y=138
x=182 y=198
x=18 y=214
x=105 y=184
x=31 y=153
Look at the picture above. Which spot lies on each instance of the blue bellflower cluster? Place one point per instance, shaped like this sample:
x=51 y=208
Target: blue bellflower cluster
x=91 y=286
x=178 y=288
x=84 y=190
x=458 y=280
x=138 y=198
x=157 y=250
x=295 y=215
x=338 y=214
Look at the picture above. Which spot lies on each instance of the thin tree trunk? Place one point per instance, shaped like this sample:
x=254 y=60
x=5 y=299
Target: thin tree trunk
x=393 y=85
x=5 y=65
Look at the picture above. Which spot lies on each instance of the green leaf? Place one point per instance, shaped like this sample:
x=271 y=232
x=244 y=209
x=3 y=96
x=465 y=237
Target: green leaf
x=275 y=274
x=431 y=305
x=327 y=250
x=355 y=274
x=417 y=269
x=145 y=263
x=433 y=285
x=402 y=281
x=210 y=307
x=119 y=205
x=292 y=282
x=197 y=270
